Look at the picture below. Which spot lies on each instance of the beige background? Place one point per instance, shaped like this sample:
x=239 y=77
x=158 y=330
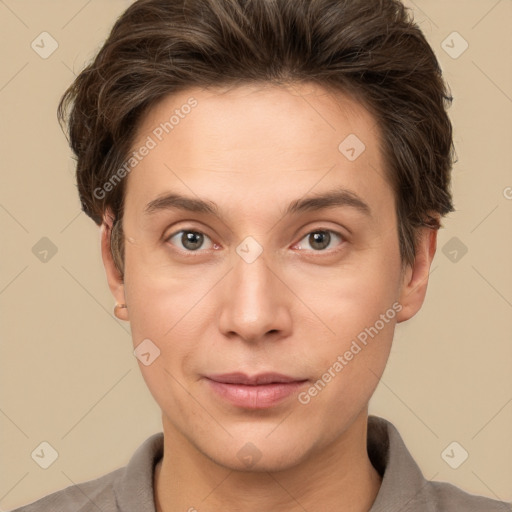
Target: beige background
x=68 y=375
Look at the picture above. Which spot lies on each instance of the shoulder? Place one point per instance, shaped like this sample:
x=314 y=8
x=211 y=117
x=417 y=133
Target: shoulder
x=127 y=488
x=450 y=498
x=89 y=496
x=403 y=485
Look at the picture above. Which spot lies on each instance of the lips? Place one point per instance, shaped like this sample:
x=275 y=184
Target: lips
x=255 y=380
x=254 y=392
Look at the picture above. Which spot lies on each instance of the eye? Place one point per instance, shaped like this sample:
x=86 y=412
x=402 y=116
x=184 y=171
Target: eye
x=190 y=240
x=320 y=239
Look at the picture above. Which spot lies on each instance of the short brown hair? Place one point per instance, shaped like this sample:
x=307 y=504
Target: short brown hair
x=369 y=49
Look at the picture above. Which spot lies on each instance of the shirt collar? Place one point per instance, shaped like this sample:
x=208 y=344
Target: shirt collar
x=134 y=487
x=403 y=484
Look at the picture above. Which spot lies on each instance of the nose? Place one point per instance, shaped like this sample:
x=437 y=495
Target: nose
x=256 y=302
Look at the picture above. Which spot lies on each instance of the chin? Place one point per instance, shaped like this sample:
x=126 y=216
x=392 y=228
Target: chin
x=259 y=456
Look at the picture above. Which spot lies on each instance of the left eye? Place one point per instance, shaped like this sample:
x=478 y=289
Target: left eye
x=190 y=240
x=320 y=239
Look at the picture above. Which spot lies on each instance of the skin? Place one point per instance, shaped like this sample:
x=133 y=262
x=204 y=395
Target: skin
x=253 y=150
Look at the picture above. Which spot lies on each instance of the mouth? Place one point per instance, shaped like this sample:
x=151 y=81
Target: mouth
x=255 y=380
x=254 y=392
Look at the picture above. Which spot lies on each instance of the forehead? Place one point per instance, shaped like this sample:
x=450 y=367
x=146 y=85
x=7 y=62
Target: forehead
x=270 y=142
x=246 y=116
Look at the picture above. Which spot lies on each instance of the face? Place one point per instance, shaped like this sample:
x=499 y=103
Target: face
x=260 y=236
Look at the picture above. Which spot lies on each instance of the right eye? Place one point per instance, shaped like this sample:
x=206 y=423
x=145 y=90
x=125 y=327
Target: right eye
x=190 y=240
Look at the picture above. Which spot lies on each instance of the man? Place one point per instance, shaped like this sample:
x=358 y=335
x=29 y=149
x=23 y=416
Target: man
x=269 y=178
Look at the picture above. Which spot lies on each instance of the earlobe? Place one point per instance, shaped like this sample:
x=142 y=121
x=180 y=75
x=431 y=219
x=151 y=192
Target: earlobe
x=114 y=277
x=415 y=277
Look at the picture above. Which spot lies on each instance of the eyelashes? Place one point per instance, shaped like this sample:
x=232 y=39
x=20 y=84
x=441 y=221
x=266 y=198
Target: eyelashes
x=197 y=238
x=320 y=241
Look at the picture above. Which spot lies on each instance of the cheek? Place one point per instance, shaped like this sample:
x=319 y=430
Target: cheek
x=157 y=294
x=162 y=310
x=349 y=363
x=356 y=311
x=346 y=298
x=166 y=306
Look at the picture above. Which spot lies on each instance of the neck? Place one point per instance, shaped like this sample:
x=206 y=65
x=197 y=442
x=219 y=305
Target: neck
x=340 y=477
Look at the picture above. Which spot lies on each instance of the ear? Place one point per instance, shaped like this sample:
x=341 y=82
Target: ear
x=114 y=277
x=415 y=276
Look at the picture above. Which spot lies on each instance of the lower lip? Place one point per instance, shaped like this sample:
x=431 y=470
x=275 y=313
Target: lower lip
x=255 y=397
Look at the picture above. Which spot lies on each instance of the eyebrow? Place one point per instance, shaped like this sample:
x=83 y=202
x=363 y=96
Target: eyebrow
x=339 y=197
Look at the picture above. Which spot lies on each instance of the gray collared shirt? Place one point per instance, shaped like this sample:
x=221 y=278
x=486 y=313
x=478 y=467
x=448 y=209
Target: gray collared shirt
x=403 y=488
